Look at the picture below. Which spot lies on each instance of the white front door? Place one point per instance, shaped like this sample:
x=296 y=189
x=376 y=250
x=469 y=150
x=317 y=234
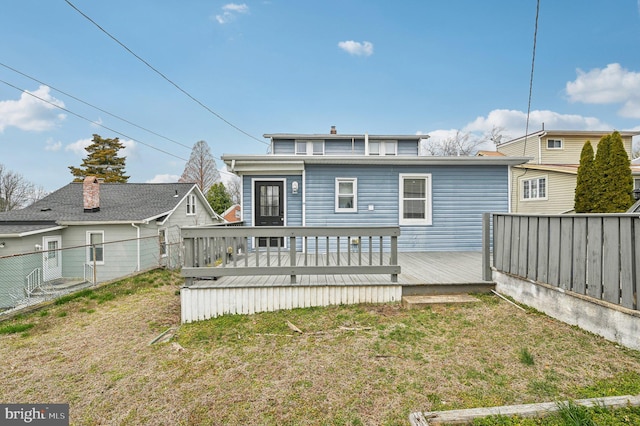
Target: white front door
x=51 y=258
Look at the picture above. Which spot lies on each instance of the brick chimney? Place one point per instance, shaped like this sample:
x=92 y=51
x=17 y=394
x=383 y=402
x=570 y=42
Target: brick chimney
x=91 y=194
x=333 y=130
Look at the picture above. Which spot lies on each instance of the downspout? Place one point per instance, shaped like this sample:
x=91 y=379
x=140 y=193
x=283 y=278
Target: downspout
x=138 y=246
x=304 y=197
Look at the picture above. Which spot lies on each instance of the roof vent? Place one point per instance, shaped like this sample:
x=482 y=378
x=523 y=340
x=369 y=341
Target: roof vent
x=333 y=130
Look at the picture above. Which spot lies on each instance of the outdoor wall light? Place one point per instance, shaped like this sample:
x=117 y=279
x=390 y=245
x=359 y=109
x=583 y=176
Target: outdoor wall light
x=294 y=187
x=2 y=244
x=38 y=247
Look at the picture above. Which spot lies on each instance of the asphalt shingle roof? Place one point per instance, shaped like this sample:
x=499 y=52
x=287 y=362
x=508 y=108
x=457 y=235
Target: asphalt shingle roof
x=119 y=202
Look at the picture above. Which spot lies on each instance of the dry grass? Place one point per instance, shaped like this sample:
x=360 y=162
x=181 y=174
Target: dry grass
x=366 y=364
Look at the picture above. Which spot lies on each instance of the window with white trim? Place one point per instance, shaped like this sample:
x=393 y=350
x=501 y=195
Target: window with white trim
x=191 y=204
x=534 y=189
x=162 y=238
x=636 y=184
x=383 y=147
x=309 y=147
x=95 y=247
x=554 y=143
x=415 y=199
x=346 y=195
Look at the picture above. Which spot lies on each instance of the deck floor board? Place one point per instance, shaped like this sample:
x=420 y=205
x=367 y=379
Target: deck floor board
x=420 y=268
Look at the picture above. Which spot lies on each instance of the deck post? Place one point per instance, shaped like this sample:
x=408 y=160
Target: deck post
x=394 y=256
x=292 y=256
x=486 y=247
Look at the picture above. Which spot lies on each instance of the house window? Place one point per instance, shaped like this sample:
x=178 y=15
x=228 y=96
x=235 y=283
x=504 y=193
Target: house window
x=162 y=238
x=346 y=195
x=309 y=147
x=191 y=204
x=383 y=148
x=415 y=199
x=554 y=143
x=534 y=189
x=95 y=247
x=636 y=184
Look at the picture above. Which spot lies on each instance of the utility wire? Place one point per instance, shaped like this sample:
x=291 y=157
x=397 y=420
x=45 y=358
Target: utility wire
x=533 y=61
x=162 y=75
x=95 y=107
x=91 y=121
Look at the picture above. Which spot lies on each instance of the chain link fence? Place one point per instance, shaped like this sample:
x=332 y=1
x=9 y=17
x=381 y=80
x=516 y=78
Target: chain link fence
x=30 y=278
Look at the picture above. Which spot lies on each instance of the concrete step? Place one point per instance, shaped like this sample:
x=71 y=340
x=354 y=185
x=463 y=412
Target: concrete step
x=419 y=302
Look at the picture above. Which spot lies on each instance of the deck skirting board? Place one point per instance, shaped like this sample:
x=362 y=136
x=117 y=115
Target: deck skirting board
x=200 y=303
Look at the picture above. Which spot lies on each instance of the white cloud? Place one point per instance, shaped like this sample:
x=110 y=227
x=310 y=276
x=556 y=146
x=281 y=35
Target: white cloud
x=30 y=113
x=52 y=146
x=229 y=12
x=356 y=48
x=164 y=179
x=613 y=84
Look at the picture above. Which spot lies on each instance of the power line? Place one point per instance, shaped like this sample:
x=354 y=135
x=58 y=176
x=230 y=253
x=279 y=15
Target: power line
x=162 y=75
x=533 y=61
x=93 y=106
x=91 y=121
x=105 y=127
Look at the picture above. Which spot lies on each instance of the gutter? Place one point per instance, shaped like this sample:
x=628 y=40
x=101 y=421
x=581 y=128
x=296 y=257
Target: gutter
x=138 y=246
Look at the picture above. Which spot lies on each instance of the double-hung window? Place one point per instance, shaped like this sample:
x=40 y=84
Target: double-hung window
x=162 y=238
x=95 y=247
x=383 y=147
x=554 y=143
x=534 y=189
x=346 y=195
x=415 y=199
x=191 y=204
x=309 y=147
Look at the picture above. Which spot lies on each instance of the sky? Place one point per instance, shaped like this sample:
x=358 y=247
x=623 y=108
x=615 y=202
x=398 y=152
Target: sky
x=162 y=75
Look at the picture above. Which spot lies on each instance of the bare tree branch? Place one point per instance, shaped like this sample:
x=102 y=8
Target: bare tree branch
x=15 y=191
x=201 y=167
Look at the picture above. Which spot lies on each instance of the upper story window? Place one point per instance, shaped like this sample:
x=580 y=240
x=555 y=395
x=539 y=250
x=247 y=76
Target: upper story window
x=383 y=147
x=534 y=189
x=554 y=143
x=309 y=147
x=191 y=204
x=415 y=199
x=346 y=195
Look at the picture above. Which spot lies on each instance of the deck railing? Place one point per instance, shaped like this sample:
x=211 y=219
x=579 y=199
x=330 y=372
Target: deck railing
x=596 y=255
x=292 y=250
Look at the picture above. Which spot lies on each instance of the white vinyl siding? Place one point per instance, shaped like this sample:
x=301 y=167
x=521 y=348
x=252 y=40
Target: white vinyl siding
x=415 y=199
x=346 y=195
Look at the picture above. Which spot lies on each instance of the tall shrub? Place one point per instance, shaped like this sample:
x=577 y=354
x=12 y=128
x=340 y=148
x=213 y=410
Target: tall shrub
x=614 y=187
x=585 y=196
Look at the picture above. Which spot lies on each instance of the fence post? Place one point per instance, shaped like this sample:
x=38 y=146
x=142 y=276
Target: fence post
x=292 y=256
x=486 y=247
x=95 y=268
x=394 y=256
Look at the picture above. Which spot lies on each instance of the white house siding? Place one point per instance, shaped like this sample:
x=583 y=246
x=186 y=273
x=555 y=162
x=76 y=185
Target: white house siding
x=560 y=192
x=460 y=195
x=571 y=149
x=518 y=149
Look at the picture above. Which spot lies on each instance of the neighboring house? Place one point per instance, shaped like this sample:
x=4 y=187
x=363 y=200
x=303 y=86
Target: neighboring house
x=91 y=212
x=233 y=214
x=547 y=183
x=378 y=180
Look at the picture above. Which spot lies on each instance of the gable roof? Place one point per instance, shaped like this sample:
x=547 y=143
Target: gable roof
x=119 y=203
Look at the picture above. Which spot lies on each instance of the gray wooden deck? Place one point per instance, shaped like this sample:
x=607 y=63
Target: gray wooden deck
x=418 y=269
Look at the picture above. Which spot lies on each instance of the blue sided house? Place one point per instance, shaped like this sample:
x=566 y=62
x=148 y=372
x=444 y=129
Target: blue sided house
x=377 y=180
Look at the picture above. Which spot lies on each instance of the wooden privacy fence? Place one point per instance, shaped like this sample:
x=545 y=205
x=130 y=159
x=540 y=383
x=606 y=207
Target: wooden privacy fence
x=293 y=250
x=596 y=255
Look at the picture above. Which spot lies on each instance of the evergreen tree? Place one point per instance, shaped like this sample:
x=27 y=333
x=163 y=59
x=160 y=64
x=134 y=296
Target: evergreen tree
x=585 y=196
x=218 y=198
x=201 y=167
x=102 y=161
x=614 y=189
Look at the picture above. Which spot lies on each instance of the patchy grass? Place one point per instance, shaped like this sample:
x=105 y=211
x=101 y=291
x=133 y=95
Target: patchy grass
x=351 y=365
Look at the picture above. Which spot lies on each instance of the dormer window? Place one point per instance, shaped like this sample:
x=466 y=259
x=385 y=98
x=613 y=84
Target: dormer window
x=309 y=147
x=554 y=143
x=383 y=147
